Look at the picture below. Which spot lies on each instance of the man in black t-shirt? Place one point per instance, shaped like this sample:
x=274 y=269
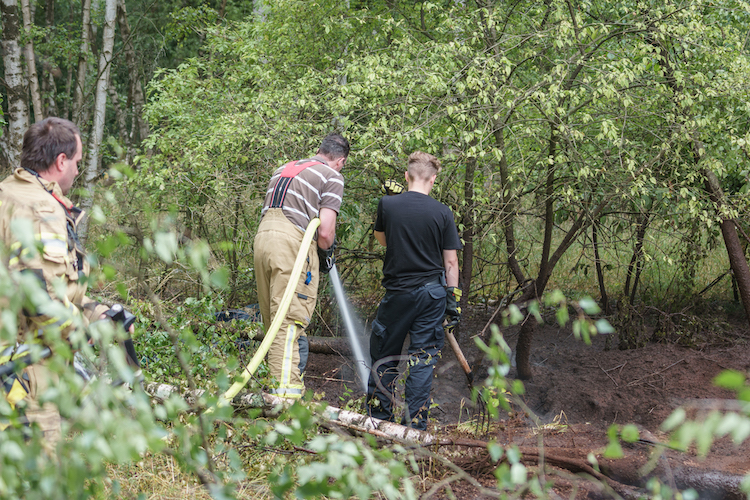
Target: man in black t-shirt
x=420 y=260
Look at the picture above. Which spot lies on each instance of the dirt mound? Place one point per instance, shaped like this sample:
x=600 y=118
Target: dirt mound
x=579 y=390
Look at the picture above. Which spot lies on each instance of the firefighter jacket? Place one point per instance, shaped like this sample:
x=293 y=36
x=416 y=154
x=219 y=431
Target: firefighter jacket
x=58 y=259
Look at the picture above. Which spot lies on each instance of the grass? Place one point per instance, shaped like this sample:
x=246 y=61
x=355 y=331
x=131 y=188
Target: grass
x=160 y=477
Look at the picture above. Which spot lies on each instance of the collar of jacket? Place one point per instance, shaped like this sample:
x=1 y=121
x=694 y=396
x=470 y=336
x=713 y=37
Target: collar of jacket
x=51 y=187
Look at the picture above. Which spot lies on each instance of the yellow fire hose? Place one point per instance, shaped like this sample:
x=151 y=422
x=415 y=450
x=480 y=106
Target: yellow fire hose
x=286 y=301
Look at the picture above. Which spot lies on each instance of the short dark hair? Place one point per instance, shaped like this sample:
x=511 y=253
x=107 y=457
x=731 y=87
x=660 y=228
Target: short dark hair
x=45 y=140
x=334 y=146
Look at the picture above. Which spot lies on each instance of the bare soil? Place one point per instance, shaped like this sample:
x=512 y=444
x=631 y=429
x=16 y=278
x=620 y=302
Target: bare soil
x=578 y=391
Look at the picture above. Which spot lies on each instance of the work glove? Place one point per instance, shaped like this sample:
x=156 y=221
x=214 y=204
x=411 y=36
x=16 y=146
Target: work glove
x=391 y=187
x=119 y=314
x=452 y=309
x=327 y=258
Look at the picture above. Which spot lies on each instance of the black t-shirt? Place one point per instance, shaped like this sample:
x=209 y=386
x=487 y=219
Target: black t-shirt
x=417 y=229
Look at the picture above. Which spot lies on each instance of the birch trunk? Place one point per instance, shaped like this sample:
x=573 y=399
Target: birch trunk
x=82 y=62
x=100 y=106
x=272 y=404
x=18 y=113
x=36 y=95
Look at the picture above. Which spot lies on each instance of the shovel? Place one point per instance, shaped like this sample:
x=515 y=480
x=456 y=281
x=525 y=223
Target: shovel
x=481 y=410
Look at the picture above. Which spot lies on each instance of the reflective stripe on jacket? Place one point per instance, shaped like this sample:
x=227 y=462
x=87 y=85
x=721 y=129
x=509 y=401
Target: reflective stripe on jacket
x=39 y=235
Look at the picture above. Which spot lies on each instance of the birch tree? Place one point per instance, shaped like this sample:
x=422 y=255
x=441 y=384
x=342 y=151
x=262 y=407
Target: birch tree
x=36 y=96
x=100 y=107
x=18 y=113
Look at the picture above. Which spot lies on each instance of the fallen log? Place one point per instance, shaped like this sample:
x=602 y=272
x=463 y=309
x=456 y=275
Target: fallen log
x=272 y=405
x=318 y=345
x=671 y=469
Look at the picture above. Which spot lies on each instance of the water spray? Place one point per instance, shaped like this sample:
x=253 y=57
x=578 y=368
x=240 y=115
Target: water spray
x=362 y=363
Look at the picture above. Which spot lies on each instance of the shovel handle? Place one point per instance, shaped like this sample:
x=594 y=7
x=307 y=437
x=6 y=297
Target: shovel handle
x=459 y=354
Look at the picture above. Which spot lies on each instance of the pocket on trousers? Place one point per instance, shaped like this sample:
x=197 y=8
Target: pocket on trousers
x=303 y=305
x=437 y=292
x=377 y=337
x=378 y=329
x=439 y=337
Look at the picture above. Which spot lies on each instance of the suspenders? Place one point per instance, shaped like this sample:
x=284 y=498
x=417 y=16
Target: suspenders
x=291 y=170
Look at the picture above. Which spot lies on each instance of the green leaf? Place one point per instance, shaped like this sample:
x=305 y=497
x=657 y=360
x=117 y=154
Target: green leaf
x=11 y=451
x=515 y=314
x=518 y=473
x=741 y=431
x=555 y=297
x=165 y=245
x=589 y=306
x=220 y=278
x=730 y=379
x=496 y=451
x=513 y=454
x=603 y=326
x=613 y=450
x=676 y=418
x=630 y=433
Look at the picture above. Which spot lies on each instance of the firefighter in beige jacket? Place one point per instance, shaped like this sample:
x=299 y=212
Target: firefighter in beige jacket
x=34 y=195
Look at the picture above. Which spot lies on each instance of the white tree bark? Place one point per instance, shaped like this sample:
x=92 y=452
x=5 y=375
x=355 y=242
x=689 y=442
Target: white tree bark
x=100 y=107
x=82 y=62
x=271 y=404
x=36 y=95
x=18 y=113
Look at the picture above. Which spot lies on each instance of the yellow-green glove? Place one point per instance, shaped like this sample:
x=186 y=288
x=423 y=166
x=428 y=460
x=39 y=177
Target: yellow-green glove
x=452 y=309
x=391 y=187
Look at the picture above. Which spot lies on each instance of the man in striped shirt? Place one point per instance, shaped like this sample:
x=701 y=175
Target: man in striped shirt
x=297 y=192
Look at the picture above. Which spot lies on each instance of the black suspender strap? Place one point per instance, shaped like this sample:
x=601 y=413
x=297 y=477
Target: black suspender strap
x=291 y=170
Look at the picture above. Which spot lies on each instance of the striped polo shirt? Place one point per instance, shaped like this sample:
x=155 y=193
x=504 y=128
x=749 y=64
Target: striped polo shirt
x=318 y=186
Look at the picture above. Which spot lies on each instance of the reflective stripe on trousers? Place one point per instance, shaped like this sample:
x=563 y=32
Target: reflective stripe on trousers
x=276 y=246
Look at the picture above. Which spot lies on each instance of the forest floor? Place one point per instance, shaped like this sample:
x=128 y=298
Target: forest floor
x=577 y=392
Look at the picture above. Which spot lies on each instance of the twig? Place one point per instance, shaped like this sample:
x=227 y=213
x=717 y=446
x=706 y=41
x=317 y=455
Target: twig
x=714 y=282
x=492 y=318
x=327 y=379
x=503 y=304
x=655 y=373
x=459 y=474
x=616 y=367
x=607 y=373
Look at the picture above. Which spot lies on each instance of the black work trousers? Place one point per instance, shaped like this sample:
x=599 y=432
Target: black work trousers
x=418 y=313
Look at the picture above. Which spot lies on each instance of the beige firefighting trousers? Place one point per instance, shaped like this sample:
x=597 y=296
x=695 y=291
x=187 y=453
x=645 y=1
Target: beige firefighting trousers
x=276 y=246
x=46 y=415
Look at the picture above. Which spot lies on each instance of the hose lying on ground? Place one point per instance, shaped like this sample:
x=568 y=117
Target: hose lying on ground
x=286 y=301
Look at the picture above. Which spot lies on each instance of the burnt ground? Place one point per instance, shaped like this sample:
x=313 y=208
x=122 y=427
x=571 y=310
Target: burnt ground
x=577 y=393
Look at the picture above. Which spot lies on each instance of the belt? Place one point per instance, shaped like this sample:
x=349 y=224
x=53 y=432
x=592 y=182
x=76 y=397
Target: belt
x=437 y=280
